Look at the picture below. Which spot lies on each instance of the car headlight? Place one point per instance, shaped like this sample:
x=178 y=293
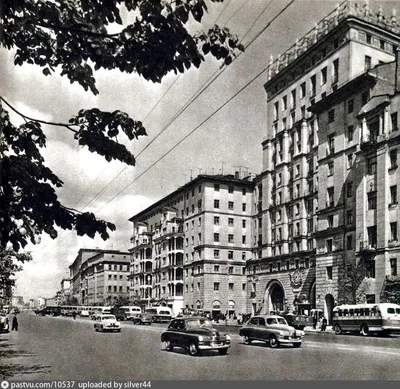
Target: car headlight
x=281 y=333
x=227 y=337
x=200 y=338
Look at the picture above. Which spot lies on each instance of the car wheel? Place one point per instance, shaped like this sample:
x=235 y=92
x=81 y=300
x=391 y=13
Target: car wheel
x=246 y=340
x=168 y=346
x=223 y=351
x=296 y=345
x=338 y=329
x=364 y=330
x=119 y=330
x=193 y=349
x=273 y=341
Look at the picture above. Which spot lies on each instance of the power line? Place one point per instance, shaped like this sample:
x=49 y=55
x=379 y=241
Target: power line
x=197 y=94
x=209 y=117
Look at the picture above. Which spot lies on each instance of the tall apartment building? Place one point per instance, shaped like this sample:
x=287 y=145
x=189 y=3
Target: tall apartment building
x=190 y=248
x=327 y=195
x=100 y=276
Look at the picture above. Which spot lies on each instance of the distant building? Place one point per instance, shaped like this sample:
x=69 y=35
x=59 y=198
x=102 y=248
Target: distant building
x=328 y=192
x=99 y=276
x=65 y=291
x=190 y=248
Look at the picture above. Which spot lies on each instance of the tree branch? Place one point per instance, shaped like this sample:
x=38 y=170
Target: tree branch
x=38 y=120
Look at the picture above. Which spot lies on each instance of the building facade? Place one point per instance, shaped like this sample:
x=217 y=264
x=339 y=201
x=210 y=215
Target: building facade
x=189 y=249
x=329 y=154
x=99 y=277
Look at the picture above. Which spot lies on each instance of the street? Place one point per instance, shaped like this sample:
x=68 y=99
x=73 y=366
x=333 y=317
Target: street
x=48 y=348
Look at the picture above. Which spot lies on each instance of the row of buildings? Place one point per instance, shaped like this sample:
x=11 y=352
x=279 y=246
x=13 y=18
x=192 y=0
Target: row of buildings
x=317 y=227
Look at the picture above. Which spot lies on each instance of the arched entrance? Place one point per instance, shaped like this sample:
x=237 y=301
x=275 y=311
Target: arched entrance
x=231 y=308
x=329 y=305
x=216 y=309
x=274 y=297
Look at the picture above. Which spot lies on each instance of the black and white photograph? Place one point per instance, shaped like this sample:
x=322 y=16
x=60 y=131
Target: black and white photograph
x=199 y=191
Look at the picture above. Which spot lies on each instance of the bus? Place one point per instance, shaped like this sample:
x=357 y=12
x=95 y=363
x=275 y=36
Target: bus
x=381 y=318
x=160 y=314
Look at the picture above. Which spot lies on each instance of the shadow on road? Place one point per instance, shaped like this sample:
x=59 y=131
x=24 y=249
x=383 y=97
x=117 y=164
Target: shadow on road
x=10 y=369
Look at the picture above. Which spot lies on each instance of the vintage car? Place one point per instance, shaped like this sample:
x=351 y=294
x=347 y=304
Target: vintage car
x=4 y=323
x=194 y=334
x=142 y=318
x=271 y=328
x=107 y=323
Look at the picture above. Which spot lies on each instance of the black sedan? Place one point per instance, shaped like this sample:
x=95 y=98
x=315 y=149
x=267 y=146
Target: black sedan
x=194 y=334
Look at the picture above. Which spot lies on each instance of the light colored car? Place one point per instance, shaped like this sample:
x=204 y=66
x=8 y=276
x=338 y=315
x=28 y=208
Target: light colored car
x=84 y=313
x=273 y=329
x=107 y=323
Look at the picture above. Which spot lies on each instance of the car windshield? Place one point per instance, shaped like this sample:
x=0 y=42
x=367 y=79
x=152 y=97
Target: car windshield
x=198 y=323
x=108 y=317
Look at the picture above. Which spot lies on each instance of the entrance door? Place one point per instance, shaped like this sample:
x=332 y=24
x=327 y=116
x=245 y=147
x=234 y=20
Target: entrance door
x=329 y=305
x=277 y=298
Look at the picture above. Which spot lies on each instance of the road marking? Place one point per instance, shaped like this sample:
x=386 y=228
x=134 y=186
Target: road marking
x=347 y=348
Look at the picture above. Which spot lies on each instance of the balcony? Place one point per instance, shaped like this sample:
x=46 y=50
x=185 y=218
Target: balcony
x=368 y=142
x=330 y=151
x=367 y=247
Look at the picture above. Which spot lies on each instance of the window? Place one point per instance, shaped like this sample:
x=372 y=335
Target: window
x=371 y=165
x=244 y=207
x=276 y=110
x=393 y=194
x=393 y=159
x=313 y=83
x=302 y=90
x=243 y=223
x=393 y=266
x=216 y=286
x=367 y=63
x=350 y=106
x=243 y=239
x=330 y=221
x=199 y=204
x=371 y=196
x=216 y=203
x=216 y=237
x=329 y=272
x=216 y=253
x=331 y=144
x=230 y=205
x=350 y=189
x=330 y=196
x=230 y=238
x=293 y=99
x=350 y=133
x=370 y=271
x=393 y=231
x=330 y=168
x=369 y=39
x=349 y=217
x=216 y=220
x=335 y=71
x=349 y=242
x=329 y=245
x=231 y=189
x=243 y=287
x=230 y=222
x=394 y=120
x=216 y=187
x=244 y=191
x=230 y=254
x=371 y=232
x=331 y=116
x=230 y=286
x=284 y=103
x=324 y=73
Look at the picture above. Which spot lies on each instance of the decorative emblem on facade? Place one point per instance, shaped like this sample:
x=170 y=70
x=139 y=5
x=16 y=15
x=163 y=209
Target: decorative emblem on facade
x=296 y=278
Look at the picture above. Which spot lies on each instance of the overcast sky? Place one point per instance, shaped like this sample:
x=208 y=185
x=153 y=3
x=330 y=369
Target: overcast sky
x=230 y=138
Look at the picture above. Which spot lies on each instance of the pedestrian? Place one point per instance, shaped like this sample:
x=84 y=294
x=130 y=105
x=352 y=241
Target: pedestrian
x=14 y=326
x=324 y=323
x=74 y=315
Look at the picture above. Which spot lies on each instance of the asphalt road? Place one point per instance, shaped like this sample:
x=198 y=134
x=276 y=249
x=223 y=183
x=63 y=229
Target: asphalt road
x=49 y=348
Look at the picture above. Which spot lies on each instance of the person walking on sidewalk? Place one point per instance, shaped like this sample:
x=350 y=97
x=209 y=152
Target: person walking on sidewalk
x=14 y=326
x=324 y=323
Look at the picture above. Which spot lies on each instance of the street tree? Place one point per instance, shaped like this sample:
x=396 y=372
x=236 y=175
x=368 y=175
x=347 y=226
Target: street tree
x=75 y=38
x=351 y=282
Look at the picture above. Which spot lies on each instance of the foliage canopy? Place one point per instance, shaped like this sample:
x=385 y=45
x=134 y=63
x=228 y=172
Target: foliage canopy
x=73 y=38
